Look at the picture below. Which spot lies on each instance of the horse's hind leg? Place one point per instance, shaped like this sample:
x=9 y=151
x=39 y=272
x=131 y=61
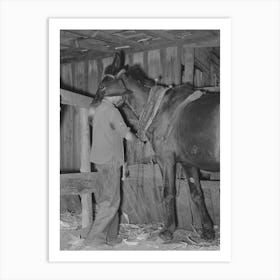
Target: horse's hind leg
x=198 y=198
x=167 y=167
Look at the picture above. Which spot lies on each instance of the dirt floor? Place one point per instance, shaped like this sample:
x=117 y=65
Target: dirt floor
x=135 y=237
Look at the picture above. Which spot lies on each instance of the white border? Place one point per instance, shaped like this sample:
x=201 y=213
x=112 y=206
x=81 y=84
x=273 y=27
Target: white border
x=55 y=255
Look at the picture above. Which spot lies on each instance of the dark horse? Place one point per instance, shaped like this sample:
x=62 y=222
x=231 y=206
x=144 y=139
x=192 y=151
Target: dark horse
x=184 y=132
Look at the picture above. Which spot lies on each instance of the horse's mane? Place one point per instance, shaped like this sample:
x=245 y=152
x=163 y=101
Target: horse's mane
x=138 y=74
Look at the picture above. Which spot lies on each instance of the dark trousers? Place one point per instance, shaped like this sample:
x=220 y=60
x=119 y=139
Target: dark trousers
x=107 y=196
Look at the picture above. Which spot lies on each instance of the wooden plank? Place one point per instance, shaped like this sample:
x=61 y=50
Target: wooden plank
x=75 y=99
x=178 y=71
x=172 y=75
x=70 y=140
x=106 y=61
x=154 y=64
x=76 y=139
x=215 y=196
x=188 y=62
x=87 y=44
x=202 y=62
x=66 y=75
x=148 y=178
x=138 y=58
x=93 y=76
x=208 y=41
x=66 y=147
x=117 y=40
x=85 y=140
x=100 y=70
x=87 y=213
x=78 y=183
x=145 y=61
x=209 y=89
x=128 y=59
x=80 y=83
x=163 y=63
x=162 y=34
x=66 y=78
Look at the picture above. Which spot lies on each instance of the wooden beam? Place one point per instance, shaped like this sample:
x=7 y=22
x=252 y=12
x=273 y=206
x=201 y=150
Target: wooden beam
x=204 y=42
x=75 y=99
x=209 y=89
x=161 y=33
x=111 y=38
x=78 y=183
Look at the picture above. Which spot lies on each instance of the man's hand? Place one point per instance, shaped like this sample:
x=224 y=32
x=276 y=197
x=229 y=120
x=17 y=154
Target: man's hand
x=130 y=137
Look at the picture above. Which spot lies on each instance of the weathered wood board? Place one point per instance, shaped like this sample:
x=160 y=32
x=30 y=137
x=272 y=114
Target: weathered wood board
x=188 y=62
x=143 y=198
x=78 y=183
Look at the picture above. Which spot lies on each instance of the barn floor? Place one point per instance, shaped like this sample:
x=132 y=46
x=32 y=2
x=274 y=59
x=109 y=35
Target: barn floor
x=135 y=237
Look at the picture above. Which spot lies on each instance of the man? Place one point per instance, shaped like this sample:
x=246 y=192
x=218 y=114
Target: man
x=107 y=153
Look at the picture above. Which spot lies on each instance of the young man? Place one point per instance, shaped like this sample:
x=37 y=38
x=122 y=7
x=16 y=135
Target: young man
x=107 y=153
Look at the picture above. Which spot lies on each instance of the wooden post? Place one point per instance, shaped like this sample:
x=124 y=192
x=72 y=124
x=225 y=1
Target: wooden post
x=85 y=167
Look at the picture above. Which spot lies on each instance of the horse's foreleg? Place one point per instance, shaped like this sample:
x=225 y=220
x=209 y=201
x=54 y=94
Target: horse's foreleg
x=169 y=195
x=198 y=198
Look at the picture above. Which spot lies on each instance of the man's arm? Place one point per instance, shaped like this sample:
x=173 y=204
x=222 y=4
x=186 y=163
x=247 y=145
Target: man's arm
x=122 y=128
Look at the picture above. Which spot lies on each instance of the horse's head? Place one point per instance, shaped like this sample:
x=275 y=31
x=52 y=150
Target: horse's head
x=131 y=82
x=111 y=84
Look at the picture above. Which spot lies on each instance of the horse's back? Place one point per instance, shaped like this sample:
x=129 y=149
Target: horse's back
x=197 y=133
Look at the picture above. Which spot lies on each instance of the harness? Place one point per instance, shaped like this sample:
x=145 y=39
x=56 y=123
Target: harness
x=150 y=110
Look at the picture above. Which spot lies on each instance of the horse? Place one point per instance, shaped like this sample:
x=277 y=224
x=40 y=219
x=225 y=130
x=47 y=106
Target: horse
x=185 y=129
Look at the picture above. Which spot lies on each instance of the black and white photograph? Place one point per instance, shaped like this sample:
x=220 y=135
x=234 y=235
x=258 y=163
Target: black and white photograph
x=139 y=139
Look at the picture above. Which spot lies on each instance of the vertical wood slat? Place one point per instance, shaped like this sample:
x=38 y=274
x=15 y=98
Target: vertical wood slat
x=188 y=62
x=82 y=142
x=173 y=72
x=163 y=63
x=66 y=129
x=145 y=62
x=80 y=83
x=106 y=61
x=129 y=59
x=202 y=62
x=138 y=58
x=93 y=77
x=154 y=64
x=86 y=199
x=76 y=138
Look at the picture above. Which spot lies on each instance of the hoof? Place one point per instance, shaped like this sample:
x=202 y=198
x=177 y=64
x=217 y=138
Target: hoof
x=166 y=235
x=208 y=234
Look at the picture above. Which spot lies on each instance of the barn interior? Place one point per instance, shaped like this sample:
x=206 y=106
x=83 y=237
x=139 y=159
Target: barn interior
x=172 y=57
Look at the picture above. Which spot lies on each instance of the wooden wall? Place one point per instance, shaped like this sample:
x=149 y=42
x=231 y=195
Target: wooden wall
x=143 y=196
x=174 y=65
